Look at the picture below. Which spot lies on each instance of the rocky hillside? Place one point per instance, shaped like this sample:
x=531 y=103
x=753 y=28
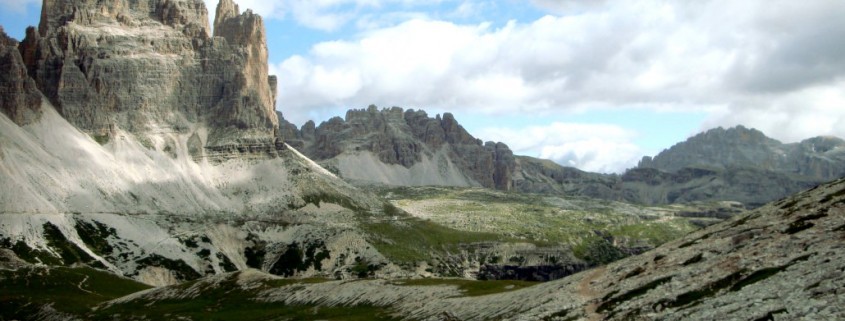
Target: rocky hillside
x=134 y=141
x=736 y=164
x=821 y=158
x=403 y=147
x=783 y=261
x=408 y=148
x=740 y=164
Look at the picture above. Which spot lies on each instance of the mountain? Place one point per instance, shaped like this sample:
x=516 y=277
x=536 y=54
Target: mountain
x=408 y=148
x=135 y=141
x=741 y=164
x=820 y=158
x=153 y=68
x=782 y=261
x=139 y=148
x=398 y=147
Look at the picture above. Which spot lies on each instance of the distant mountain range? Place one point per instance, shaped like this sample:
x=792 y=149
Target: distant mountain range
x=407 y=147
x=138 y=143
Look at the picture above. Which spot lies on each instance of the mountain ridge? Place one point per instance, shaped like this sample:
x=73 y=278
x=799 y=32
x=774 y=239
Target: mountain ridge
x=134 y=142
x=822 y=157
x=735 y=164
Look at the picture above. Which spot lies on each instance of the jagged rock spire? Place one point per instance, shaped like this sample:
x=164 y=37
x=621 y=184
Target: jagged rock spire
x=226 y=9
x=19 y=97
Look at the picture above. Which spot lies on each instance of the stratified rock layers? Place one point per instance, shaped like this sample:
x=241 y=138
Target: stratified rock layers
x=407 y=138
x=19 y=97
x=150 y=67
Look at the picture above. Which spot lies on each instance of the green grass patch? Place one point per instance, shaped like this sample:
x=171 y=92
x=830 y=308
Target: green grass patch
x=472 y=287
x=411 y=240
x=101 y=139
x=69 y=290
x=597 y=251
x=653 y=233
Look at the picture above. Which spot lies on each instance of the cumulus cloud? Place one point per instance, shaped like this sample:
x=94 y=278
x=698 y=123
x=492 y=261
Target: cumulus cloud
x=328 y=15
x=594 y=59
x=322 y=15
x=603 y=148
x=775 y=65
x=793 y=116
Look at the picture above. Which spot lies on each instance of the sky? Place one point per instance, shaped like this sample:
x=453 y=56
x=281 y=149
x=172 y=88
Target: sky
x=594 y=84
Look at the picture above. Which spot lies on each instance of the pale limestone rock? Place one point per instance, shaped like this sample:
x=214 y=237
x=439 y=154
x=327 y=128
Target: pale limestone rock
x=150 y=68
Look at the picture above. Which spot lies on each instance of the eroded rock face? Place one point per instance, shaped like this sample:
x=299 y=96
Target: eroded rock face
x=739 y=147
x=405 y=137
x=19 y=97
x=150 y=67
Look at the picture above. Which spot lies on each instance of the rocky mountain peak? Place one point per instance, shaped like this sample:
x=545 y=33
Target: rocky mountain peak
x=175 y=13
x=816 y=159
x=5 y=40
x=720 y=148
x=226 y=10
x=149 y=67
x=438 y=146
x=19 y=96
x=824 y=144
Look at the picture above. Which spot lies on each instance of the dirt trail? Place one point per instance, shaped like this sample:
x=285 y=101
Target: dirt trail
x=81 y=283
x=586 y=291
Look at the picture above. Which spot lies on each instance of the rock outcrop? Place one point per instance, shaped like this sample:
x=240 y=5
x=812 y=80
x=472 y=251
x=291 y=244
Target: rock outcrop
x=821 y=158
x=151 y=67
x=407 y=138
x=783 y=261
x=126 y=126
x=19 y=97
x=396 y=147
x=738 y=164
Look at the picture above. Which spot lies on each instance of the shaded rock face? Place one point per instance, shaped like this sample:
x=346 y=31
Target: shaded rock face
x=19 y=97
x=150 y=67
x=736 y=164
x=405 y=137
x=822 y=158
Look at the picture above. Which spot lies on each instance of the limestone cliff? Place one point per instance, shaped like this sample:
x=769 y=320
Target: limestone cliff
x=19 y=97
x=150 y=67
x=405 y=145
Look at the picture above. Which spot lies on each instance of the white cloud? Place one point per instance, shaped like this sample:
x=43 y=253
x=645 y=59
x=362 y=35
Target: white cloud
x=592 y=147
x=776 y=65
x=328 y=15
x=320 y=15
x=817 y=110
x=17 y=6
